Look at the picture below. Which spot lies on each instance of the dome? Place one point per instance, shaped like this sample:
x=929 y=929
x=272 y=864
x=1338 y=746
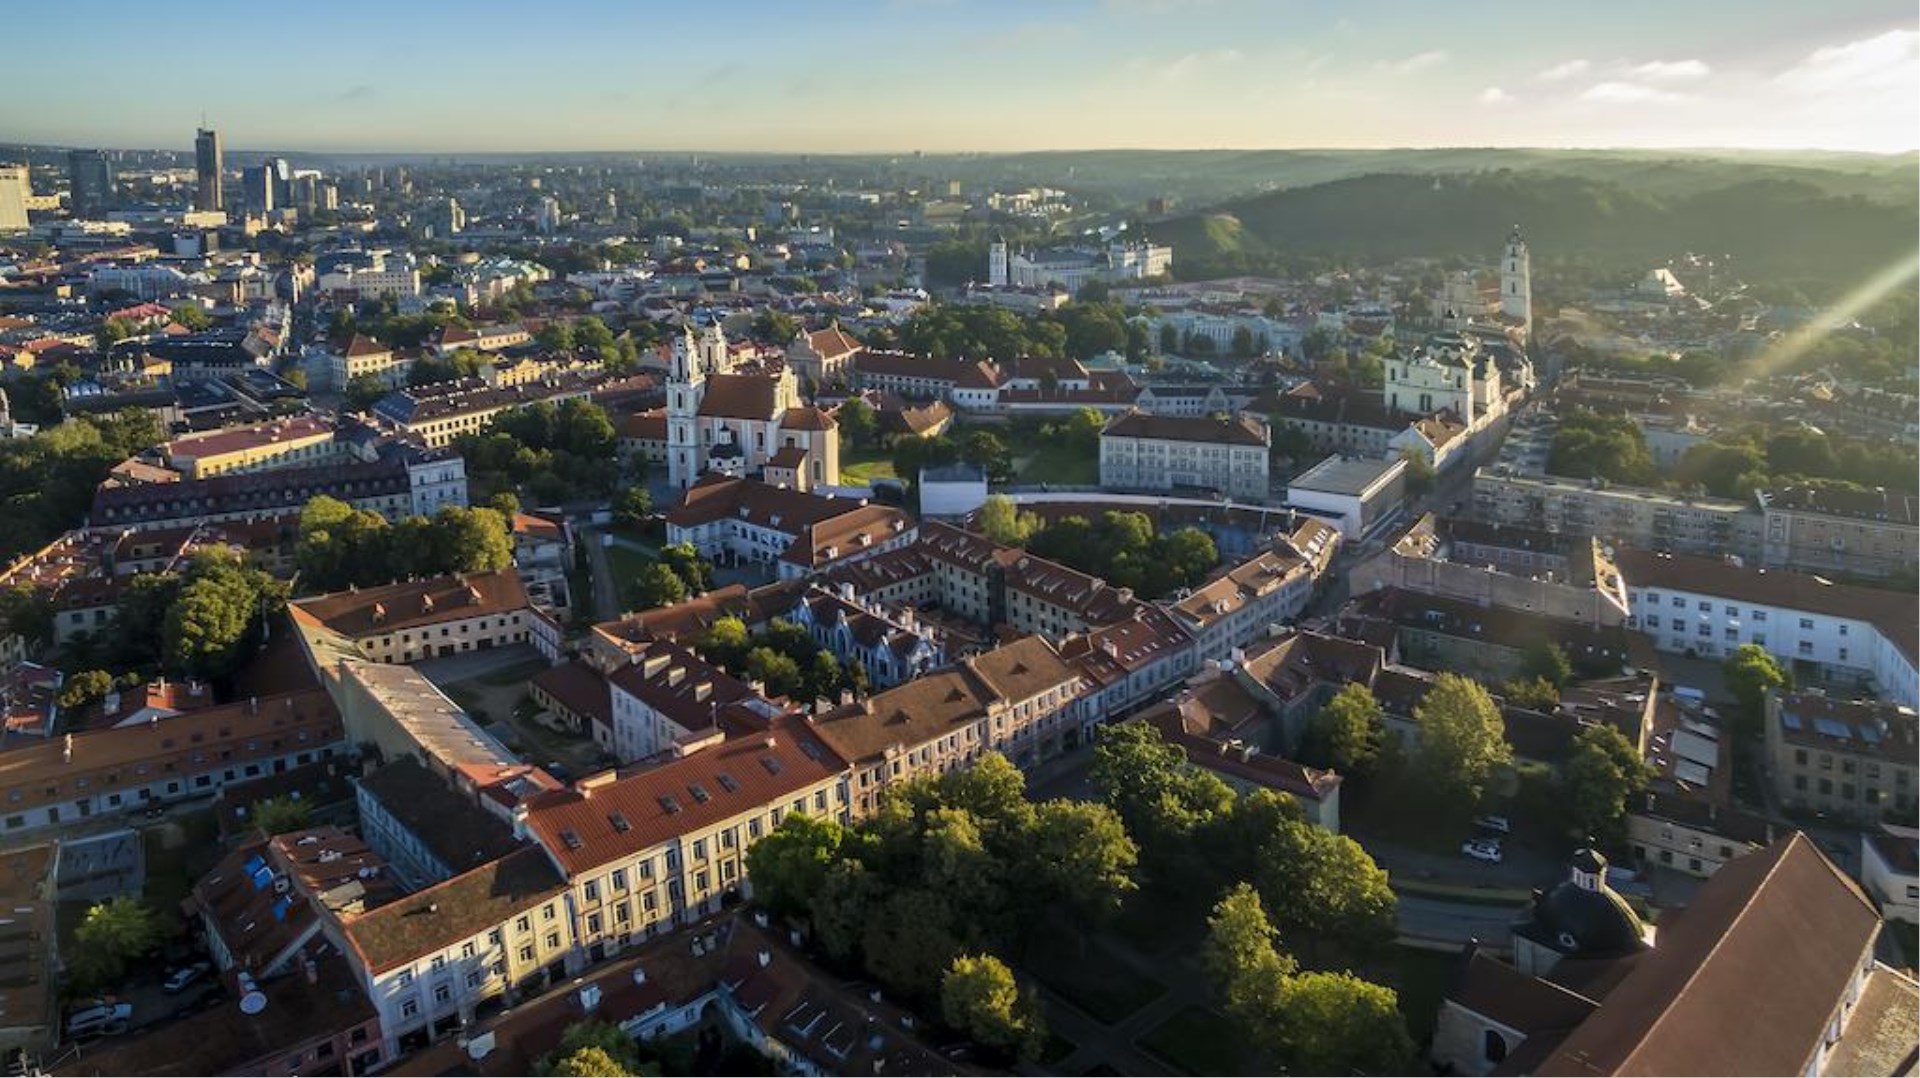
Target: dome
x=1582 y=917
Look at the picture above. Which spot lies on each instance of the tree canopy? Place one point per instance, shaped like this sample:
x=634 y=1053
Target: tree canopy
x=339 y=545
x=1461 y=741
x=979 y=997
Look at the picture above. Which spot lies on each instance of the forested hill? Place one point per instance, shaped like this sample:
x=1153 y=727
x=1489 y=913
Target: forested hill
x=1774 y=229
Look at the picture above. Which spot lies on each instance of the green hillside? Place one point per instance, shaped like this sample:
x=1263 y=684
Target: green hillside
x=1775 y=229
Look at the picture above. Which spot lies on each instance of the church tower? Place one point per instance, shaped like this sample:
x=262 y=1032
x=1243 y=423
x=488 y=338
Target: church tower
x=686 y=385
x=1516 y=284
x=713 y=350
x=997 y=261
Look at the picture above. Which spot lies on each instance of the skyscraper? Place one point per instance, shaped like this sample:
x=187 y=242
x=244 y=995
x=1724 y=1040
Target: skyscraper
x=257 y=189
x=206 y=157
x=89 y=183
x=15 y=187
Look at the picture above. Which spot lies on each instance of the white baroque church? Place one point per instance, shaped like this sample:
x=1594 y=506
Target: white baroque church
x=746 y=422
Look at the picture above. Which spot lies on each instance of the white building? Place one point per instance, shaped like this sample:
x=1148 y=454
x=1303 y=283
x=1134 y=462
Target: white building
x=1073 y=268
x=1709 y=607
x=15 y=189
x=743 y=422
x=1890 y=871
x=1153 y=452
x=1358 y=493
x=1516 y=282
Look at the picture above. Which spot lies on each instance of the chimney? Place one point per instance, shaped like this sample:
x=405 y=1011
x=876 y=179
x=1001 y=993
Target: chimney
x=766 y=959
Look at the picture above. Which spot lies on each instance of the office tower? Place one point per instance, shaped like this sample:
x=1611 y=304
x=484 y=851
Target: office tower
x=257 y=188
x=206 y=159
x=282 y=176
x=89 y=183
x=15 y=188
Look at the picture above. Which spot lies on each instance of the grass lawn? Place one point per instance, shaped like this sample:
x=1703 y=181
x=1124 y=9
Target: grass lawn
x=1060 y=468
x=1092 y=979
x=866 y=465
x=1421 y=978
x=1198 y=1041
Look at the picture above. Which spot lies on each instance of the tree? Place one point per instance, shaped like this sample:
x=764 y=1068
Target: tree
x=279 y=815
x=843 y=907
x=1336 y=1023
x=857 y=423
x=1543 y=658
x=220 y=601
x=555 y=336
x=1242 y=345
x=789 y=865
x=909 y=940
x=84 y=688
x=112 y=934
x=1079 y=854
x=1320 y=886
x=778 y=673
x=471 y=540
x=685 y=560
x=1245 y=968
x=726 y=642
x=505 y=502
x=1164 y=801
x=588 y=1062
x=1603 y=775
x=658 y=586
x=999 y=519
x=192 y=316
x=1534 y=694
x=595 y=1048
x=1169 y=340
x=979 y=997
x=1750 y=674
x=774 y=327
x=1460 y=741
x=984 y=450
x=363 y=392
x=634 y=507
x=1348 y=732
x=114 y=330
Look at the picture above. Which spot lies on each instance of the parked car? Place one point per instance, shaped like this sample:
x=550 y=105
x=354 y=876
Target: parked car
x=1497 y=824
x=1482 y=849
x=99 y=1020
x=180 y=979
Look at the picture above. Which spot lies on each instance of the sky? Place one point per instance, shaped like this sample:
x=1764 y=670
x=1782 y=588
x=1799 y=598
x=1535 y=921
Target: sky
x=968 y=75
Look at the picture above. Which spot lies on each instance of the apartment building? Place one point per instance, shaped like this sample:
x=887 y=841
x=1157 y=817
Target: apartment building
x=437 y=414
x=1825 y=631
x=662 y=848
x=424 y=830
x=1242 y=601
x=410 y=620
x=401 y=483
x=480 y=338
x=1854 y=759
x=77 y=777
x=1139 y=451
x=1836 y=530
x=299 y=441
x=1572 y=577
x=365 y=356
x=665 y=696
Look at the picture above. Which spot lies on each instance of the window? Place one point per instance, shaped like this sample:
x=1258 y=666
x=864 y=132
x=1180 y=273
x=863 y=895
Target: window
x=406 y=978
x=526 y=953
x=409 y=1008
x=1806 y=623
x=523 y=924
x=442 y=993
x=593 y=890
x=618 y=881
x=467 y=949
x=1706 y=607
x=553 y=941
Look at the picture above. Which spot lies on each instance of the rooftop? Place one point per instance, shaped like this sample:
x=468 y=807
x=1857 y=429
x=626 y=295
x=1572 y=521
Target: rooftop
x=409 y=604
x=1352 y=476
x=453 y=910
x=1243 y=430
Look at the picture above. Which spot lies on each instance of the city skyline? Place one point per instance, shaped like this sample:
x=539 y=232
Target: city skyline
x=942 y=77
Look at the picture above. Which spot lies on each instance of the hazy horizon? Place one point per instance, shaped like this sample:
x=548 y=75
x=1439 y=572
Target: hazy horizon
x=942 y=78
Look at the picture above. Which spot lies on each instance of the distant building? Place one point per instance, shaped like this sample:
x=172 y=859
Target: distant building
x=1837 y=530
x=1074 y=268
x=89 y=183
x=16 y=187
x=257 y=189
x=209 y=169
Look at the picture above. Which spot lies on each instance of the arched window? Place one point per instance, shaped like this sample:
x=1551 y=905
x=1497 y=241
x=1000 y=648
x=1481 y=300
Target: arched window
x=1496 y=1047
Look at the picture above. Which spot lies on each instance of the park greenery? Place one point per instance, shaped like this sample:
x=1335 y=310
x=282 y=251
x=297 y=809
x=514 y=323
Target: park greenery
x=555 y=453
x=783 y=658
x=340 y=546
x=1590 y=445
x=1120 y=547
x=47 y=481
x=202 y=620
x=1750 y=674
x=1459 y=746
x=1601 y=778
x=1347 y=733
x=1078 y=330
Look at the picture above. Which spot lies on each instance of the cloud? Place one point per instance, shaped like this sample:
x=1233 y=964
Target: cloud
x=359 y=91
x=1025 y=35
x=1416 y=63
x=1628 y=93
x=1564 y=71
x=1494 y=95
x=1195 y=63
x=1889 y=61
x=1672 y=70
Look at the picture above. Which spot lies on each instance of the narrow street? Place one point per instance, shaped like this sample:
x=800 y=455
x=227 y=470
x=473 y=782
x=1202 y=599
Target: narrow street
x=606 y=594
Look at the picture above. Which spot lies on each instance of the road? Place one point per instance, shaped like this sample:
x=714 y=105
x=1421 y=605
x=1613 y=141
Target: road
x=606 y=595
x=1443 y=921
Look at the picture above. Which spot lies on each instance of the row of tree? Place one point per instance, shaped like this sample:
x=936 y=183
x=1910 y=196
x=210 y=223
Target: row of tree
x=47 y=481
x=557 y=453
x=1591 y=445
x=1735 y=464
x=340 y=546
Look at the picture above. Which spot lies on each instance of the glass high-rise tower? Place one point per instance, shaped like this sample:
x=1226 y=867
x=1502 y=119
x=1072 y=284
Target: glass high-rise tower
x=206 y=157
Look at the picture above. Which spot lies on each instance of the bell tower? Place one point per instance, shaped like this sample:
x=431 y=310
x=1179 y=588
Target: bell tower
x=686 y=385
x=1516 y=284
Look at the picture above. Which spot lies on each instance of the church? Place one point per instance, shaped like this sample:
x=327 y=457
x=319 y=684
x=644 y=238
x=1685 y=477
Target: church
x=743 y=422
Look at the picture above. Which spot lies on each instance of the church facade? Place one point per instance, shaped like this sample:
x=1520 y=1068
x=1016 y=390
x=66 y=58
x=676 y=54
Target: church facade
x=742 y=422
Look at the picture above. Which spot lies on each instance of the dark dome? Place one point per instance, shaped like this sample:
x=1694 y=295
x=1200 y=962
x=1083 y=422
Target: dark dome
x=1587 y=924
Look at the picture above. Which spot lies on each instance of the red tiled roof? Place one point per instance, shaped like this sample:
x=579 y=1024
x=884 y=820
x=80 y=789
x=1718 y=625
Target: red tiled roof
x=591 y=825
